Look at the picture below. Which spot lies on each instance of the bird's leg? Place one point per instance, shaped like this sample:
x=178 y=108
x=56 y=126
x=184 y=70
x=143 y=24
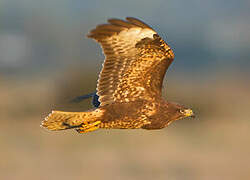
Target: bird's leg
x=82 y=130
x=89 y=127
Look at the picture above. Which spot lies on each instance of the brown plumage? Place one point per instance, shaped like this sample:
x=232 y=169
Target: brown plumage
x=130 y=83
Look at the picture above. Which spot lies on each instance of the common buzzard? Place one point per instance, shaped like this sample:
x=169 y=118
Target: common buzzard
x=130 y=83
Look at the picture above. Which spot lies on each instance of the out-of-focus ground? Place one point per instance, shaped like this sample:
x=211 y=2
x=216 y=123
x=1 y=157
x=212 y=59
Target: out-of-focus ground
x=214 y=145
x=45 y=62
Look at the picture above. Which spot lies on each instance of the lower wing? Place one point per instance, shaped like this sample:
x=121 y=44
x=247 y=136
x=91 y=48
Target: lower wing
x=93 y=95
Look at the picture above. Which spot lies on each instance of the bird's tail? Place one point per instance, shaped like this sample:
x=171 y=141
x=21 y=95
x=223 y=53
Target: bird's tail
x=81 y=121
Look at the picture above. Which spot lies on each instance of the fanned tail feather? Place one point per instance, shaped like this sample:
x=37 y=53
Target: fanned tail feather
x=81 y=121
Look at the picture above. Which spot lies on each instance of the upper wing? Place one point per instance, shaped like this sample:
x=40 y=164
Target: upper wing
x=136 y=61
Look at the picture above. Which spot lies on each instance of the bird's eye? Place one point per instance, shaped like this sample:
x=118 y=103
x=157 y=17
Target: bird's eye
x=181 y=111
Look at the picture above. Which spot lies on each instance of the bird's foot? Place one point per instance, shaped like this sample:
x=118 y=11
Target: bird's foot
x=89 y=127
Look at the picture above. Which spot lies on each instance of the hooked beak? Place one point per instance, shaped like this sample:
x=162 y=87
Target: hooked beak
x=189 y=113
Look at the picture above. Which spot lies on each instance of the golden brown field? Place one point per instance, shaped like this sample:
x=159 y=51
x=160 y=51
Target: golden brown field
x=214 y=145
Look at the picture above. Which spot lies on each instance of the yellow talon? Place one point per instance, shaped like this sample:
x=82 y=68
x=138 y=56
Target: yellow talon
x=88 y=127
x=95 y=123
x=82 y=130
x=91 y=129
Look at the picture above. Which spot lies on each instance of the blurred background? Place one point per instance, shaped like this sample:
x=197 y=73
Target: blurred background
x=45 y=61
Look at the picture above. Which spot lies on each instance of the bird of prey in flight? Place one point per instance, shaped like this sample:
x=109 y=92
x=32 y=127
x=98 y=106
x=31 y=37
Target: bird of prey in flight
x=129 y=89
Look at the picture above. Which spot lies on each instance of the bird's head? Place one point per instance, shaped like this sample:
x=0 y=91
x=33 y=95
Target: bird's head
x=178 y=111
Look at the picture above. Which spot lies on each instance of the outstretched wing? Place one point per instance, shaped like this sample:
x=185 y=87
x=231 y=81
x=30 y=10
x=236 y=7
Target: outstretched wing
x=136 y=61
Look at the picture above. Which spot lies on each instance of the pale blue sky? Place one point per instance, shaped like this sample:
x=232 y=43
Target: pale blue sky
x=45 y=33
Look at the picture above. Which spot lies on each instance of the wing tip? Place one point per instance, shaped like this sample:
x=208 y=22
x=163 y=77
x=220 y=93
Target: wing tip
x=138 y=22
x=115 y=26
